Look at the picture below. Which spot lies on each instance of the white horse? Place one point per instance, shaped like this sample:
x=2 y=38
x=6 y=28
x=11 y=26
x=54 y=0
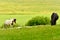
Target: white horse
x=9 y=22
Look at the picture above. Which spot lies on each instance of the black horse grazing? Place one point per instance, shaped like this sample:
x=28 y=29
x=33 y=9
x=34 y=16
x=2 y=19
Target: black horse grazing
x=54 y=18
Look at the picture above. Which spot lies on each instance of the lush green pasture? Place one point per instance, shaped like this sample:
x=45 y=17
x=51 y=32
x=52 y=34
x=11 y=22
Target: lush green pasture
x=26 y=10
x=43 y=32
x=21 y=19
x=29 y=6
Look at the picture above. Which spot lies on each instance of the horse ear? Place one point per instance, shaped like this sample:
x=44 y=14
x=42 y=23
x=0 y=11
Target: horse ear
x=15 y=20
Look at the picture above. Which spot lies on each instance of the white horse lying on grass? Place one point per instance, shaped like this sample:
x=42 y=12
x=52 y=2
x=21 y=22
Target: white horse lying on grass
x=9 y=22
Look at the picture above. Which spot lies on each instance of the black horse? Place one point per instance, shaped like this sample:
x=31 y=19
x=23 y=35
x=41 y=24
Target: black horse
x=54 y=18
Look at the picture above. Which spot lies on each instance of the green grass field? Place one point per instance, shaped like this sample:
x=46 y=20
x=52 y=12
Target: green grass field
x=23 y=11
x=29 y=6
x=35 y=33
